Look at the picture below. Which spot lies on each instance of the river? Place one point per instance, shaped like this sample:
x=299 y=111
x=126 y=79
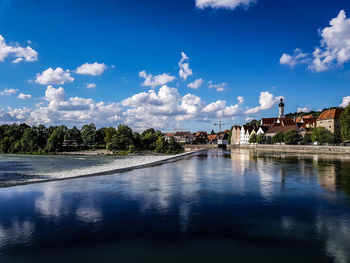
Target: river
x=216 y=206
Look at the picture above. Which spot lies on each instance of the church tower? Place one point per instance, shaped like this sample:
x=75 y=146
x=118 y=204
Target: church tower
x=281 y=110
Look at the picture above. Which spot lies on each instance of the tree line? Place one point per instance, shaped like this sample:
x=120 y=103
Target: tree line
x=22 y=138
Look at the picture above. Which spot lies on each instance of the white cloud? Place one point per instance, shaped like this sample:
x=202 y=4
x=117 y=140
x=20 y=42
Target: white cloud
x=90 y=85
x=154 y=81
x=195 y=84
x=19 y=53
x=8 y=92
x=346 y=101
x=94 y=69
x=23 y=96
x=334 y=48
x=229 y=4
x=240 y=99
x=266 y=101
x=305 y=109
x=218 y=87
x=292 y=60
x=54 y=76
x=185 y=70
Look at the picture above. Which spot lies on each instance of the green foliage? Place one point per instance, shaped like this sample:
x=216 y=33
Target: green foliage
x=253 y=138
x=307 y=138
x=278 y=137
x=261 y=139
x=25 y=139
x=292 y=137
x=255 y=123
x=345 y=124
x=88 y=134
x=73 y=136
x=55 y=142
x=322 y=135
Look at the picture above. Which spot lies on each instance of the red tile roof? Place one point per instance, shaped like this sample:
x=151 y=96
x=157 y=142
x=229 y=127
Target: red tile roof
x=211 y=137
x=330 y=114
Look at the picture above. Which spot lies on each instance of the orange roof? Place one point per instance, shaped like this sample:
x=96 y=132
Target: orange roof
x=211 y=137
x=330 y=114
x=169 y=134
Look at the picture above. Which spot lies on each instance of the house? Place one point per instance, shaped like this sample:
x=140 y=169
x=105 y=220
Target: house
x=213 y=139
x=262 y=130
x=183 y=137
x=308 y=122
x=238 y=135
x=222 y=138
x=246 y=131
x=234 y=134
x=200 y=138
x=268 y=122
x=283 y=125
x=168 y=136
x=329 y=119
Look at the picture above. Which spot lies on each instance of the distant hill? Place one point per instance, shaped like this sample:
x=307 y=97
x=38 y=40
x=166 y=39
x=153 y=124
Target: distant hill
x=315 y=114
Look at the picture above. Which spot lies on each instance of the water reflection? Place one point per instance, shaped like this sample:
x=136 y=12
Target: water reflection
x=242 y=195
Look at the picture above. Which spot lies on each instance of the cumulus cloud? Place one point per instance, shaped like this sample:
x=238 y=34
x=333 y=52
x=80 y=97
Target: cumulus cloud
x=228 y=4
x=292 y=60
x=17 y=52
x=334 y=48
x=195 y=84
x=94 y=69
x=218 y=87
x=23 y=96
x=8 y=92
x=266 y=101
x=154 y=81
x=91 y=85
x=305 y=109
x=52 y=76
x=346 y=101
x=240 y=99
x=184 y=66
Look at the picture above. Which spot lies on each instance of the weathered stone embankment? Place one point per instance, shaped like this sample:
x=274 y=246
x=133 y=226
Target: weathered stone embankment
x=296 y=148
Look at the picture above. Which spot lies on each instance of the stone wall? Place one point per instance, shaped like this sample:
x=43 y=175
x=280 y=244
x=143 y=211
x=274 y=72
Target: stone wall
x=296 y=148
x=197 y=147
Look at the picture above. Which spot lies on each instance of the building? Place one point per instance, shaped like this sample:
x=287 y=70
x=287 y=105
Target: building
x=234 y=134
x=238 y=135
x=283 y=125
x=183 y=137
x=246 y=131
x=222 y=138
x=329 y=119
x=168 y=136
x=281 y=110
x=262 y=130
x=308 y=122
x=200 y=138
x=213 y=139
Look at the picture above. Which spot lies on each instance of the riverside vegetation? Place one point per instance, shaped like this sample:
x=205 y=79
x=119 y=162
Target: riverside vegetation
x=22 y=138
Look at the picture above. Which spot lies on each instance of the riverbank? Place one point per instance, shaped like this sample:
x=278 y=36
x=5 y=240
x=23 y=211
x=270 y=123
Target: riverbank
x=295 y=148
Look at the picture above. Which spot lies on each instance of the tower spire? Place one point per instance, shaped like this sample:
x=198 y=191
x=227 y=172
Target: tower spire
x=281 y=110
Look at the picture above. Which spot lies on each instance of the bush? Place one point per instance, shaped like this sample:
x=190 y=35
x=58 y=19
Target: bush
x=253 y=138
x=322 y=135
x=291 y=137
x=307 y=138
x=278 y=137
x=261 y=139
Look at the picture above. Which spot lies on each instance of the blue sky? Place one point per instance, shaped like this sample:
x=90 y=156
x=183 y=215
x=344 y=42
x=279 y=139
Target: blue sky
x=132 y=52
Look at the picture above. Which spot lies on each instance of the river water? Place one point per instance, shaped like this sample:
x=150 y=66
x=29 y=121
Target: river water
x=217 y=206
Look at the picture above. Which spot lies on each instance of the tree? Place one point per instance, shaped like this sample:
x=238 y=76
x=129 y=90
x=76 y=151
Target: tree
x=345 y=124
x=291 y=137
x=253 y=138
x=73 y=136
x=55 y=142
x=122 y=139
x=100 y=136
x=88 y=134
x=322 y=135
x=29 y=141
x=278 y=137
x=149 y=138
x=109 y=133
x=261 y=139
x=307 y=138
